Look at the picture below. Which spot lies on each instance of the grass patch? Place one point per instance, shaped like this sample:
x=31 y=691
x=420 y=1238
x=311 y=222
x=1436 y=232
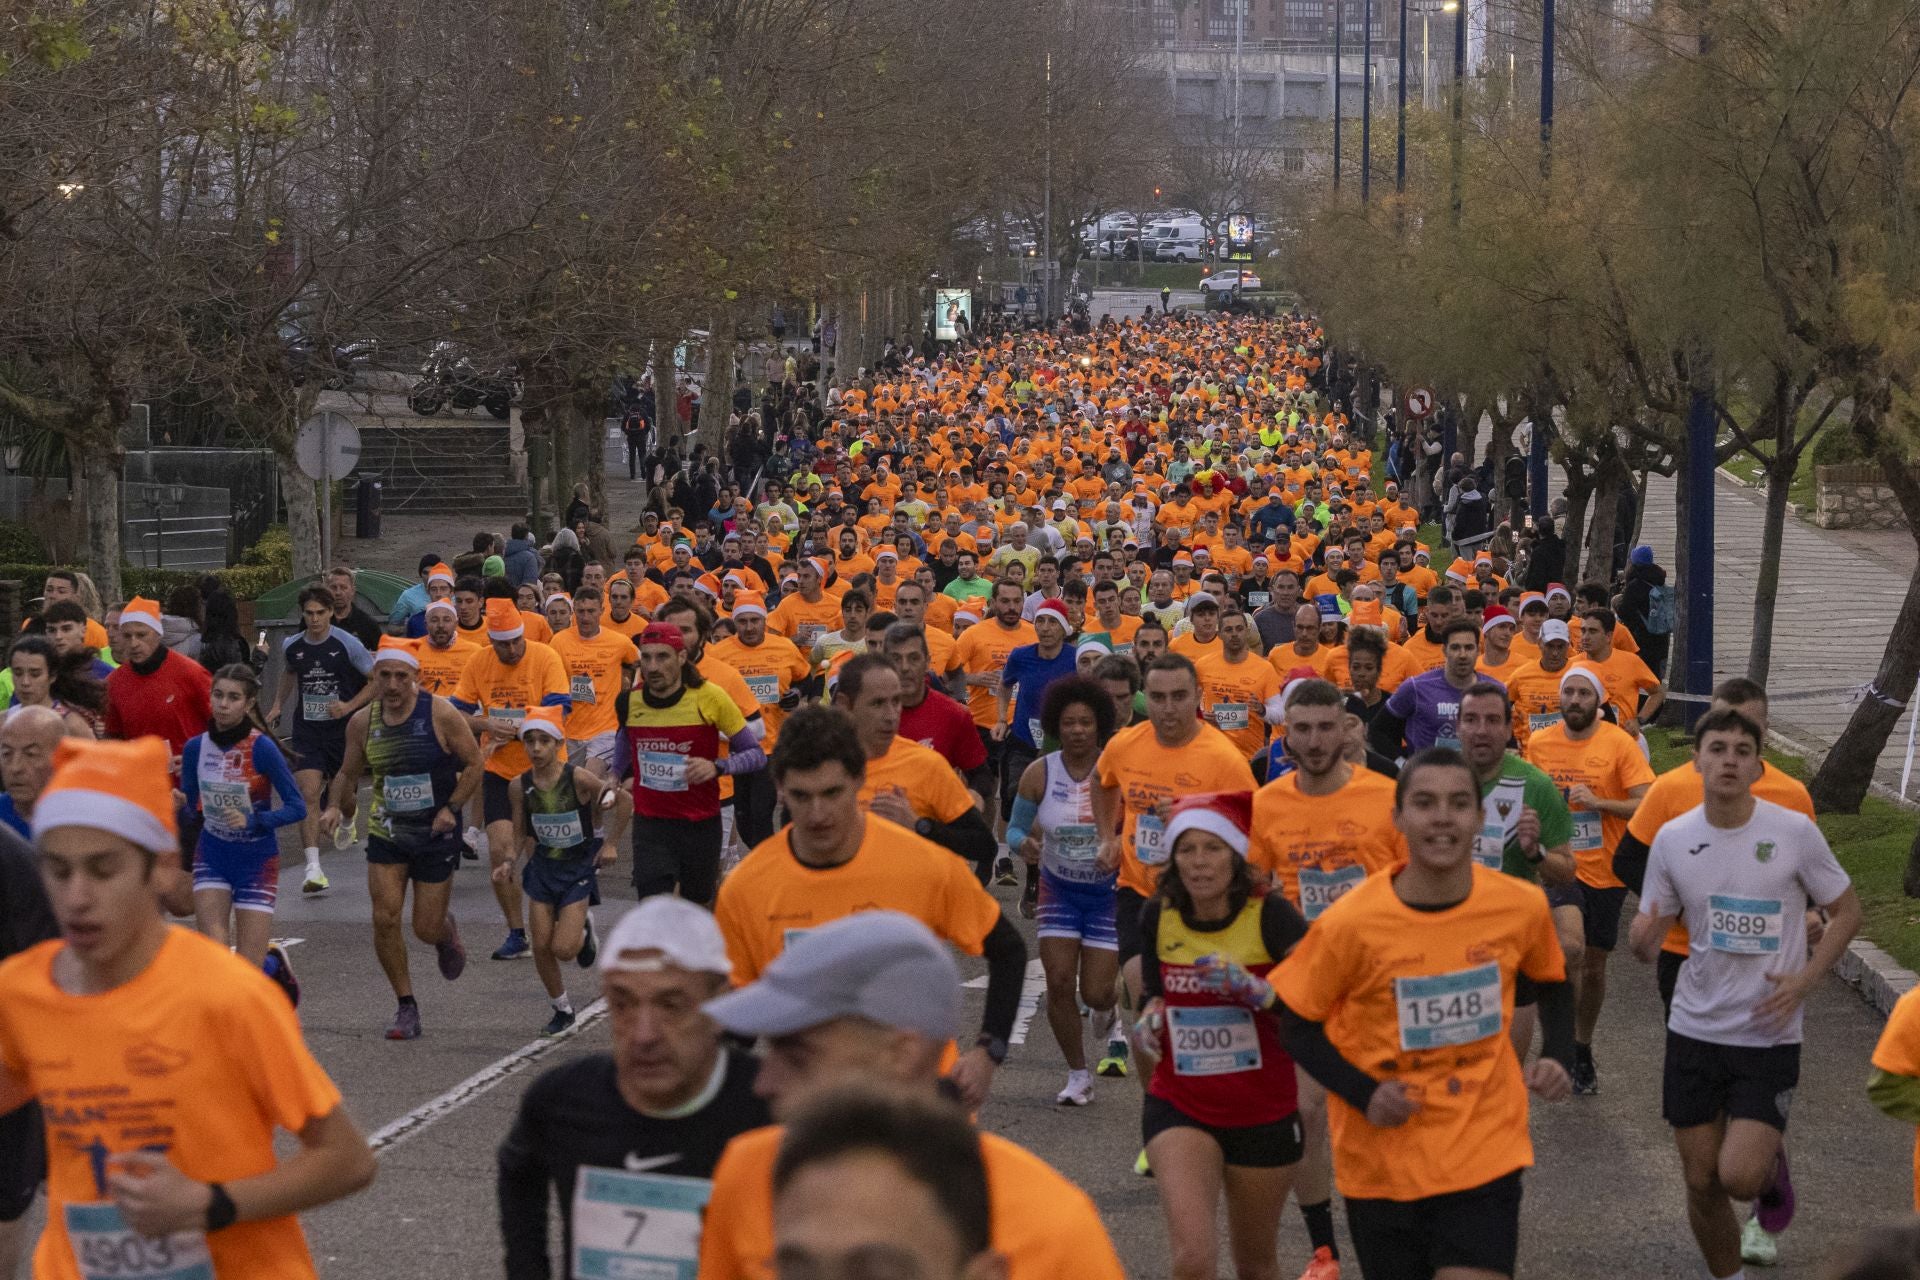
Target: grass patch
x=1872 y=845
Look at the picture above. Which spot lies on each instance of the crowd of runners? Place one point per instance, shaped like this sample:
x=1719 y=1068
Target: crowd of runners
x=1326 y=837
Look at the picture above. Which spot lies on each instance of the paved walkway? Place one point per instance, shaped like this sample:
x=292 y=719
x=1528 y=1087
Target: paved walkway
x=1840 y=591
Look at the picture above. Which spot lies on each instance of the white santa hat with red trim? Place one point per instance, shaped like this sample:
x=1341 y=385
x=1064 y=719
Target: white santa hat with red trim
x=1226 y=814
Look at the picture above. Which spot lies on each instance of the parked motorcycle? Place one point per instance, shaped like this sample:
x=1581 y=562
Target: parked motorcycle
x=335 y=365
x=450 y=377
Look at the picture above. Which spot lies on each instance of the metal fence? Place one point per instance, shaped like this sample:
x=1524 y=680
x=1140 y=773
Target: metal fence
x=176 y=526
x=250 y=476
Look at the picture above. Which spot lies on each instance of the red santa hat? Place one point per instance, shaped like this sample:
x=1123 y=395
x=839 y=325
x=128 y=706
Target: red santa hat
x=1226 y=814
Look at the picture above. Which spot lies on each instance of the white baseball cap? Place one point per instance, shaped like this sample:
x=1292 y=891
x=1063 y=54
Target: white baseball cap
x=676 y=931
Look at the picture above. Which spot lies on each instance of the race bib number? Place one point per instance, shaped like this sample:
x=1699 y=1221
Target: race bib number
x=1076 y=841
x=1745 y=926
x=806 y=633
x=407 y=792
x=765 y=689
x=106 y=1248
x=663 y=771
x=315 y=707
x=637 y=1226
x=1490 y=846
x=790 y=936
x=219 y=798
x=1150 y=841
x=1321 y=889
x=557 y=830
x=1586 y=830
x=580 y=689
x=1034 y=731
x=1542 y=720
x=1258 y=599
x=1229 y=716
x=1449 y=1008
x=515 y=716
x=1448 y=741
x=1212 y=1041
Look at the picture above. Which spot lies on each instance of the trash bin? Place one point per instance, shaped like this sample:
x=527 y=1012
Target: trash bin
x=366 y=508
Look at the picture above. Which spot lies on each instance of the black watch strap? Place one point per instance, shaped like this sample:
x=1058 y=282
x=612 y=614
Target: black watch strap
x=221 y=1211
x=996 y=1047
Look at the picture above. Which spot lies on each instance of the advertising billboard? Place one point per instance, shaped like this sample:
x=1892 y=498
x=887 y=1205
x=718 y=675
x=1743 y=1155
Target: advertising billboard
x=952 y=312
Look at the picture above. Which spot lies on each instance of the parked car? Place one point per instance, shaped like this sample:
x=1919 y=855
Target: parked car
x=1229 y=279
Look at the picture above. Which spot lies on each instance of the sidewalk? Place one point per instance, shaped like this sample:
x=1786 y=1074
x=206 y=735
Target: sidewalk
x=1840 y=591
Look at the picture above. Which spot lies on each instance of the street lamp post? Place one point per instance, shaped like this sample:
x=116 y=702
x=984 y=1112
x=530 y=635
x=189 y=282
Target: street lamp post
x=1400 y=143
x=1366 y=100
x=1459 y=91
x=1339 y=21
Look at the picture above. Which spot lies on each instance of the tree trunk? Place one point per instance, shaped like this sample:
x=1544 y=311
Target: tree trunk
x=1675 y=713
x=1766 y=584
x=716 y=390
x=1580 y=486
x=303 y=518
x=104 y=469
x=1843 y=777
x=1606 y=518
x=559 y=424
x=666 y=395
x=596 y=459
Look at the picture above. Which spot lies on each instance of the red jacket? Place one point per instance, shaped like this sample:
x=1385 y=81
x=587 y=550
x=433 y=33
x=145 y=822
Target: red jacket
x=172 y=703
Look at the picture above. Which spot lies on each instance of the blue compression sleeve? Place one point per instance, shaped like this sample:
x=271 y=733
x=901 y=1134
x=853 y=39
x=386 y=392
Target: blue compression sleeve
x=1024 y=812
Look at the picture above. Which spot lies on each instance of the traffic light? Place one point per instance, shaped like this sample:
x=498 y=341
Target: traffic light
x=1156 y=193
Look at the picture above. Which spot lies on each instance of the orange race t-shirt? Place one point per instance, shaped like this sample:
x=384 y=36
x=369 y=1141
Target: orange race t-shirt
x=490 y=687
x=1610 y=763
x=440 y=668
x=1319 y=848
x=771 y=898
x=769 y=668
x=919 y=775
x=982 y=647
x=1234 y=695
x=1044 y=1225
x=1150 y=777
x=1898 y=1052
x=1425 y=998
x=199 y=1058
x=596 y=672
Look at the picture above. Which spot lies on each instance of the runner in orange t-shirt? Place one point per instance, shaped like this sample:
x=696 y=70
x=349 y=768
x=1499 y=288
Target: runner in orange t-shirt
x=165 y=1064
x=1398 y=1001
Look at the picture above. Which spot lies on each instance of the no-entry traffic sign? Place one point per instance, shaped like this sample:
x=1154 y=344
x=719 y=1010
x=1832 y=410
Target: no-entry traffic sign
x=1419 y=402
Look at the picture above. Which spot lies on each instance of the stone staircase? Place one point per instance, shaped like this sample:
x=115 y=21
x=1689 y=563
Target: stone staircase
x=430 y=468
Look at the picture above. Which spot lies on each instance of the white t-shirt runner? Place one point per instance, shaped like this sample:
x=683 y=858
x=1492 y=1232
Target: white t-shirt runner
x=1743 y=894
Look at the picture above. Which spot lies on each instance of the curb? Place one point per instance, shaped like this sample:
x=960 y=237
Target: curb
x=1874 y=975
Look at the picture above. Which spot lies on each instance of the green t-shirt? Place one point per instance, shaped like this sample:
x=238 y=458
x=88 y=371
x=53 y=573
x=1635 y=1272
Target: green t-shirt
x=1519 y=785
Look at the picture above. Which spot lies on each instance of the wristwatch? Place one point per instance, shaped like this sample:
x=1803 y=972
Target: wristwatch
x=221 y=1211
x=923 y=826
x=996 y=1047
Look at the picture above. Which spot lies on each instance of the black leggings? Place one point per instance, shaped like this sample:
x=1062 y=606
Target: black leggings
x=677 y=853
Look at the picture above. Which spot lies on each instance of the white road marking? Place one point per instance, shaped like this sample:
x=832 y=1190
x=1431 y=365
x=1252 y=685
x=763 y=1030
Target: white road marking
x=1032 y=991
x=437 y=1109
x=286 y=942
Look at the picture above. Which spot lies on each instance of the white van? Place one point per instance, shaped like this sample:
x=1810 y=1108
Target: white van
x=1180 y=240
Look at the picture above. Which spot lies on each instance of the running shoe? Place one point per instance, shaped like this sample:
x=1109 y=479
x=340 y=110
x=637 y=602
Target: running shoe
x=559 y=1022
x=589 y=945
x=316 y=881
x=1079 y=1090
x=280 y=969
x=469 y=851
x=514 y=948
x=1324 y=1266
x=1003 y=871
x=343 y=835
x=1757 y=1244
x=1774 y=1209
x=1586 y=1078
x=406 y=1023
x=1140 y=1166
x=449 y=951
x=1114 y=1064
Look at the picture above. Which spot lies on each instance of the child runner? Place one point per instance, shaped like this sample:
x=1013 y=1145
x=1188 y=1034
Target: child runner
x=554 y=806
x=231 y=775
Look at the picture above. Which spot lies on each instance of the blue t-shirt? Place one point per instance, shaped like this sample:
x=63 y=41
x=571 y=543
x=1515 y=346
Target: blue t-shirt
x=1430 y=707
x=330 y=670
x=13 y=817
x=1032 y=674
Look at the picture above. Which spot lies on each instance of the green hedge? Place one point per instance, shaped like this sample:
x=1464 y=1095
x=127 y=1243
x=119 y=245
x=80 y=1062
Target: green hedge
x=263 y=566
x=19 y=543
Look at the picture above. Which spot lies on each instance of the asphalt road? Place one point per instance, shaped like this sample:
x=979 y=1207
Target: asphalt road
x=1604 y=1201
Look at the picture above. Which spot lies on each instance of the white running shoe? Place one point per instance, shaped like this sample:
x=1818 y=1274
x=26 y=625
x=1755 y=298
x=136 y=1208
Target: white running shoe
x=1079 y=1090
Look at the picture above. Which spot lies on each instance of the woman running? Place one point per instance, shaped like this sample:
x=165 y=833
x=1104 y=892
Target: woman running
x=1052 y=827
x=43 y=678
x=1220 y=1113
x=231 y=773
